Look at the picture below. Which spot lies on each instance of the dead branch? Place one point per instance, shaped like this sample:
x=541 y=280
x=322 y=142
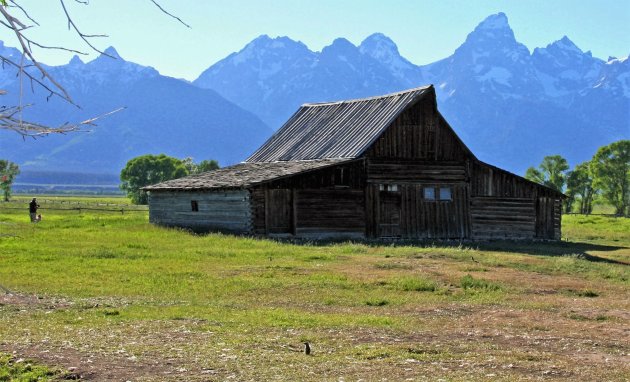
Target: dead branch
x=9 y=120
x=10 y=117
x=166 y=12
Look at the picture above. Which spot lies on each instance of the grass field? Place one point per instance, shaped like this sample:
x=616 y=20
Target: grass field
x=107 y=296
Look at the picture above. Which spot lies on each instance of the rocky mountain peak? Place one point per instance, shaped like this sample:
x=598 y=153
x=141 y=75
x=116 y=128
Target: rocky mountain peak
x=380 y=47
x=111 y=51
x=339 y=45
x=495 y=29
x=75 y=61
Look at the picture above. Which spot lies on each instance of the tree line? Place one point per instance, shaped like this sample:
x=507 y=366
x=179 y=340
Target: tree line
x=150 y=169
x=139 y=172
x=607 y=175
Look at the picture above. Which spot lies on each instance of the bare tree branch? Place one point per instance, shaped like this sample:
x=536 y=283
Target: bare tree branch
x=166 y=12
x=84 y=37
x=11 y=116
x=9 y=120
x=26 y=51
x=24 y=11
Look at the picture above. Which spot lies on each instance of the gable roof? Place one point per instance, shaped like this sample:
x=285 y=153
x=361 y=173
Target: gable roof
x=243 y=175
x=343 y=129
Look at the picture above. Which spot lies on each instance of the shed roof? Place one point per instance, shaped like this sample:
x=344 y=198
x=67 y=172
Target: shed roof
x=343 y=129
x=243 y=175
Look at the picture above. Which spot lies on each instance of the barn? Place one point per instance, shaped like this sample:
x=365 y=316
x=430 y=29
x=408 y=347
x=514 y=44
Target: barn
x=379 y=167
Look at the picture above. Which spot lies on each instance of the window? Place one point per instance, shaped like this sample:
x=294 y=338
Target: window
x=388 y=187
x=194 y=206
x=437 y=193
x=445 y=193
x=341 y=177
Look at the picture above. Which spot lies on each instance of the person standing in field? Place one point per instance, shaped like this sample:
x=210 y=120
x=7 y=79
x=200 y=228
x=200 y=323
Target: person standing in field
x=32 y=209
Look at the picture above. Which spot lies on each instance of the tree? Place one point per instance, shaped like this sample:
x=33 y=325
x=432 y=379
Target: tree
x=611 y=169
x=550 y=173
x=146 y=170
x=206 y=165
x=16 y=18
x=580 y=184
x=8 y=171
x=203 y=166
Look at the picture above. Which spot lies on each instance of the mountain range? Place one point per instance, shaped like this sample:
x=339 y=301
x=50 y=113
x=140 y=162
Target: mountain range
x=510 y=105
x=162 y=115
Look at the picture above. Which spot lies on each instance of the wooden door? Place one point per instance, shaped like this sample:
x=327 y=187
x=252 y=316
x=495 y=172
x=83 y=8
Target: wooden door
x=279 y=211
x=389 y=214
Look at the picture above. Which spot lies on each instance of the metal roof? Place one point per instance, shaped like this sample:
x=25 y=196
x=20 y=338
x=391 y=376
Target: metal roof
x=243 y=175
x=342 y=129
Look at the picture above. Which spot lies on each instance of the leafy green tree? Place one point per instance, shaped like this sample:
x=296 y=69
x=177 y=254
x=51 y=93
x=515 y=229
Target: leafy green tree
x=611 y=169
x=146 y=170
x=580 y=184
x=203 y=166
x=207 y=165
x=8 y=172
x=550 y=173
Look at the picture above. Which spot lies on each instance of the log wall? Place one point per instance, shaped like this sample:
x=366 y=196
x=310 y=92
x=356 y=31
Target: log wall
x=504 y=205
x=226 y=211
x=323 y=203
x=502 y=218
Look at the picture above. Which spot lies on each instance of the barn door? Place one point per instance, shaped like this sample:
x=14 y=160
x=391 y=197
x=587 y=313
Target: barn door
x=389 y=211
x=279 y=211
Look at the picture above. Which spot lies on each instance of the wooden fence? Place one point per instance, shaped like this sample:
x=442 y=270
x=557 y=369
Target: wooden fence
x=70 y=205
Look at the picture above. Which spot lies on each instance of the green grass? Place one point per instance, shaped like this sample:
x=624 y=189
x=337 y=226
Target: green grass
x=20 y=370
x=99 y=283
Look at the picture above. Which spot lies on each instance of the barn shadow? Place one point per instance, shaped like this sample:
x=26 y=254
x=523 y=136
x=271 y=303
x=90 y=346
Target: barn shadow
x=559 y=248
x=529 y=247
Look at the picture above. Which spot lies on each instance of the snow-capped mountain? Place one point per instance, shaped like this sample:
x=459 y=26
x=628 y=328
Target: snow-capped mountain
x=162 y=115
x=510 y=105
x=273 y=77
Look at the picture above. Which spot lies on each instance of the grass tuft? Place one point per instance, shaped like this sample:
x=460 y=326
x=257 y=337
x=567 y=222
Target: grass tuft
x=415 y=284
x=468 y=282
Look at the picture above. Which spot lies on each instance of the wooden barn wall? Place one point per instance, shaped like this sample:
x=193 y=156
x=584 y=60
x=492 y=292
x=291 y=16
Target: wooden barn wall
x=393 y=170
x=506 y=206
x=490 y=181
x=322 y=203
x=421 y=133
x=326 y=213
x=548 y=217
x=227 y=211
x=503 y=218
x=347 y=175
x=419 y=218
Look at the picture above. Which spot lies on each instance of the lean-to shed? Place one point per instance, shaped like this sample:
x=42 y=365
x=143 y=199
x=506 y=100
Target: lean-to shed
x=379 y=167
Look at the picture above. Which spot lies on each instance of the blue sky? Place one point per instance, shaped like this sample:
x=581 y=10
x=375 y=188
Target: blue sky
x=424 y=30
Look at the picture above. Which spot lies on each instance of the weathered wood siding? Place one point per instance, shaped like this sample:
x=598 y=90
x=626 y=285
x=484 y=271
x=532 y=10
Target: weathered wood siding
x=323 y=203
x=548 y=217
x=502 y=218
x=418 y=150
x=226 y=211
x=490 y=181
x=418 y=218
x=506 y=206
x=406 y=171
x=330 y=213
x=420 y=133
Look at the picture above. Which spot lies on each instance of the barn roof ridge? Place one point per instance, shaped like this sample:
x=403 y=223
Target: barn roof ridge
x=326 y=103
